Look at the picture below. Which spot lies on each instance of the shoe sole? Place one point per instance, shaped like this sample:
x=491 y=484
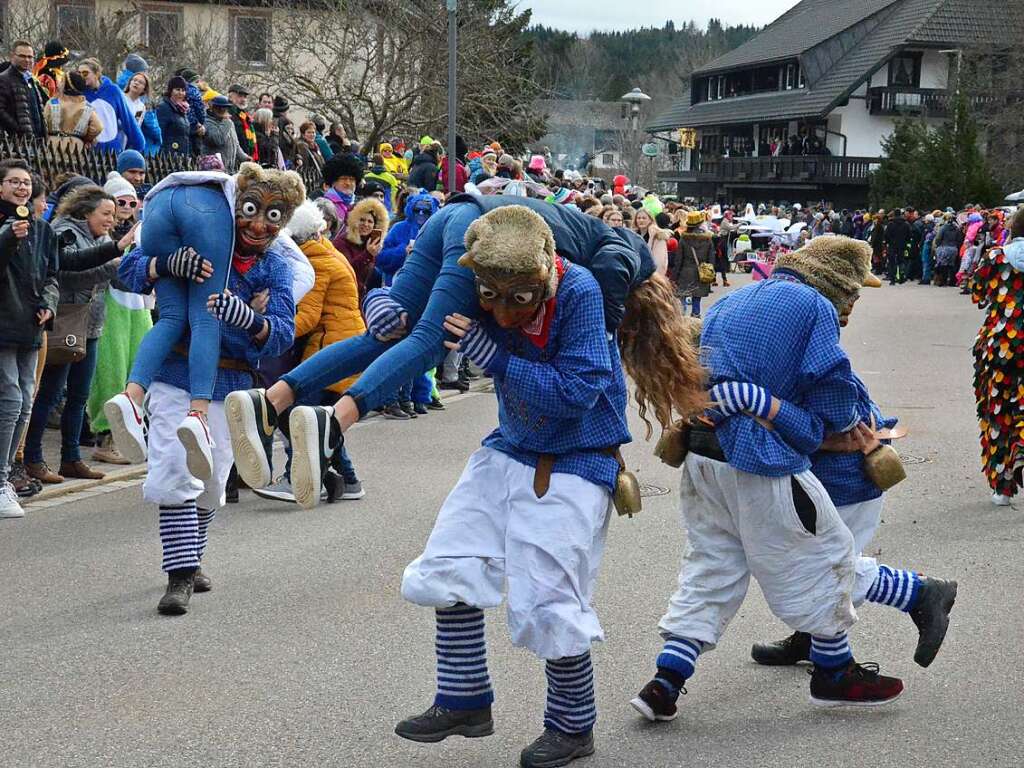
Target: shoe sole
x=172 y=610
x=352 y=496
x=306 y=477
x=468 y=731
x=126 y=443
x=11 y=515
x=577 y=753
x=644 y=709
x=105 y=459
x=263 y=493
x=835 y=703
x=246 y=445
x=947 y=605
x=199 y=465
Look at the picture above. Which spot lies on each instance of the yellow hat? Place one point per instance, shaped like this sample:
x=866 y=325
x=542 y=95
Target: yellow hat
x=694 y=218
x=385 y=145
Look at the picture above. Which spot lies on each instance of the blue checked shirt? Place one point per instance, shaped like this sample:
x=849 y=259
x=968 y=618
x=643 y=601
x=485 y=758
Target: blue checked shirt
x=273 y=271
x=783 y=336
x=567 y=399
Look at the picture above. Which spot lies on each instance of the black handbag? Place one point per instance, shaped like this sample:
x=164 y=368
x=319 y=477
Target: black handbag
x=65 y=344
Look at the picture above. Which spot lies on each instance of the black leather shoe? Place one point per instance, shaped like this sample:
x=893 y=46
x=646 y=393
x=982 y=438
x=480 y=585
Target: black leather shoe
x=783 y=653
x=438 y=723
x=554 y=748
x=935 y=600
x=179 y=592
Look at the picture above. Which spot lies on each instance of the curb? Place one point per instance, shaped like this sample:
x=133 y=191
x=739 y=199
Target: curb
x=136 y=471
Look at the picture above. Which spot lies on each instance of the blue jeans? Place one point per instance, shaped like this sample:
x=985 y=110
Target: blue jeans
x=429 y=286
x=197 y=216
x=78 y=378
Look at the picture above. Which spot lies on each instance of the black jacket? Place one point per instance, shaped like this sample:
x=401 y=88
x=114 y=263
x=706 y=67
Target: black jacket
x=897 y=234
x=174 y=129
x=618 y=258
x=423 y=171
x=21 y=104
x=28 y=283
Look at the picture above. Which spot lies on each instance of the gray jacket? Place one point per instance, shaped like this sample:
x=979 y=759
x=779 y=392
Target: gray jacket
x=88 y=287
x=221 y=138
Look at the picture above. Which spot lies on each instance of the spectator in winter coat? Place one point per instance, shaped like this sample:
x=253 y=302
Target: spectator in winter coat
x=70 y=116
x=307 y=150
x=897 y=238
x=242 y=120
x=196 y=106
x=342 y=175
x=119 y=127
x=368 y=226
x=379 y=173
x=398 y=244
x=424 y=171
x=136 y=88
x=268 y=145
x=21 y=97
x=220 y=135
x=395 y=164
x=173 y=116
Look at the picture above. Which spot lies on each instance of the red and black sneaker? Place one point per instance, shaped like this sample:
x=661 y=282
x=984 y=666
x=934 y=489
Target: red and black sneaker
x=856 y=685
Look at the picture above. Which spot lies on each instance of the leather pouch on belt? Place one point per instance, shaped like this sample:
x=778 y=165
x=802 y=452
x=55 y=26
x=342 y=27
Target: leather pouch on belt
x=673 y=445
x=884 y=468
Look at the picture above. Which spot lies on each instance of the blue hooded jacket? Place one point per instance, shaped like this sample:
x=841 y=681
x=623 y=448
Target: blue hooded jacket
x=119 y=127
x=150 y=126
x=392 y=254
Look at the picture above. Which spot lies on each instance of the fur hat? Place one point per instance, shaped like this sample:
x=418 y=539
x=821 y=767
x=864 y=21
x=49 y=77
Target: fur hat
x=375 y=208
x=512 y=239
x=342 y=164
x=288 y=183
x=306 y=223
x=118 y=186
x=835 y=266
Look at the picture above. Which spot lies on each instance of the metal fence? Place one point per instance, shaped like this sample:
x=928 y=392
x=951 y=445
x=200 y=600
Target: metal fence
x=51 y=158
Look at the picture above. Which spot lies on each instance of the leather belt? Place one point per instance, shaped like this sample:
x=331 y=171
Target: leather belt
x=703 y=441
x=546 y=463
x=224 y=363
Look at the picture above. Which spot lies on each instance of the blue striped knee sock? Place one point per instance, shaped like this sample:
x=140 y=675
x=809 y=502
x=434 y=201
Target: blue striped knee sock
x=570 y=706
x=895 y=587
x=179 y=535
x=831 y=652
x=205 y=517
x=462 y=678
x=676 y=662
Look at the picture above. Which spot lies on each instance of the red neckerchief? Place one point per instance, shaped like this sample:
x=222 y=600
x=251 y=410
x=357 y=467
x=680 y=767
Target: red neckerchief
x=242 y=263
x=539 y=330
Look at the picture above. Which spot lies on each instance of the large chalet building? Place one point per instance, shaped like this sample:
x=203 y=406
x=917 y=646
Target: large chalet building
x=799 y=111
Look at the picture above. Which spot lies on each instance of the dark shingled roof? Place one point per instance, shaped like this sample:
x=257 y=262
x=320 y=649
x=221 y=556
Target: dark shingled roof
x=946 y=23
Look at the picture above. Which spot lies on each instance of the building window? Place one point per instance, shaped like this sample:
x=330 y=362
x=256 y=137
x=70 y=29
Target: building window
x=73 y=24
x=905 y=70
x=162 y=29
x=799 y=76
x=607 y=159
x=250 y=37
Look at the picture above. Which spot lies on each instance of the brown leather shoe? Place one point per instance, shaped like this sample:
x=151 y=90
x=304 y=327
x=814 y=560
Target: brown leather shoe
x=43 y=473
x=80 y=470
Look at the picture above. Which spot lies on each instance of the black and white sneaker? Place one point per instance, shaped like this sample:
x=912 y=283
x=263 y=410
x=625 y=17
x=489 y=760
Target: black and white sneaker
x=315 y=436
x=655 y=703
x=251 y=420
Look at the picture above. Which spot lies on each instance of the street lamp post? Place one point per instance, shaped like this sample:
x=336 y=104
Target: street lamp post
x=453 y=53
x=635 y=98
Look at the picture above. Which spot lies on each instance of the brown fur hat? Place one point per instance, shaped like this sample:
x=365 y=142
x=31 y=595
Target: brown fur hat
x=837 y=267
x=375 y=208
x=512 y=239
x=288 y=183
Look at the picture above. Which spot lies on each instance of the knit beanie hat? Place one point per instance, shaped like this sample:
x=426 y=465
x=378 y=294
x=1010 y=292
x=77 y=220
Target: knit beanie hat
x=176 y=82
x=512 y=239
x=130 y=160
x=135 y=63
x=835 y=266
x=118 y=186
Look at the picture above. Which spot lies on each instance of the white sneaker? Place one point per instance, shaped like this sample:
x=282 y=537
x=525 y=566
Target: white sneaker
x=1000 y=501
x=9 y=506
x=127 y=427
x=194 y=434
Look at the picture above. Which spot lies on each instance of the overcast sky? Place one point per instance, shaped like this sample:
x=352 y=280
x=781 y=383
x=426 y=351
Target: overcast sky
x=587 y=15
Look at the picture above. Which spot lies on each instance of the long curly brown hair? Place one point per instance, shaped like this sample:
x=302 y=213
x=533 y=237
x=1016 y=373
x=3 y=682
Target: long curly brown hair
x=659 y=354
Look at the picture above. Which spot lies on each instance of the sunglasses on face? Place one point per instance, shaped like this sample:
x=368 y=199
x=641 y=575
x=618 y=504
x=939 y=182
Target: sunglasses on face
x=128 y=203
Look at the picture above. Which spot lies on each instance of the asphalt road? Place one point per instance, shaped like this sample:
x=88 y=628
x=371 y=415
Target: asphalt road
x=305 y=654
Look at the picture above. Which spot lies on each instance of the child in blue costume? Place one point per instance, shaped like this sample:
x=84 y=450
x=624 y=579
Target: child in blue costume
x=198 y=226
x=405 y=323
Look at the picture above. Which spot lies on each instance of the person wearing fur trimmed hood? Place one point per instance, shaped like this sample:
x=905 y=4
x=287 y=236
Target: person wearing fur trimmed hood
x=362 y=243
x=696 y=247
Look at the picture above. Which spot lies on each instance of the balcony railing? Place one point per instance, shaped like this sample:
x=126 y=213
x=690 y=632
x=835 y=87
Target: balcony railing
x=771 y=171
x=905 y=100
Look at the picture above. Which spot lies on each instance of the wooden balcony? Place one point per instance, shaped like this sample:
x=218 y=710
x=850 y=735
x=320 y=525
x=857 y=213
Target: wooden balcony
x=894 y=100
x=802 y=171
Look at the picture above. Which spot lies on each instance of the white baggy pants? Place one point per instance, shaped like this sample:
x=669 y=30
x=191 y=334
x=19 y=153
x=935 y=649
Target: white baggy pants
x=168 y=480
x=862 y=519
x=738 y=525
x=493 y=530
